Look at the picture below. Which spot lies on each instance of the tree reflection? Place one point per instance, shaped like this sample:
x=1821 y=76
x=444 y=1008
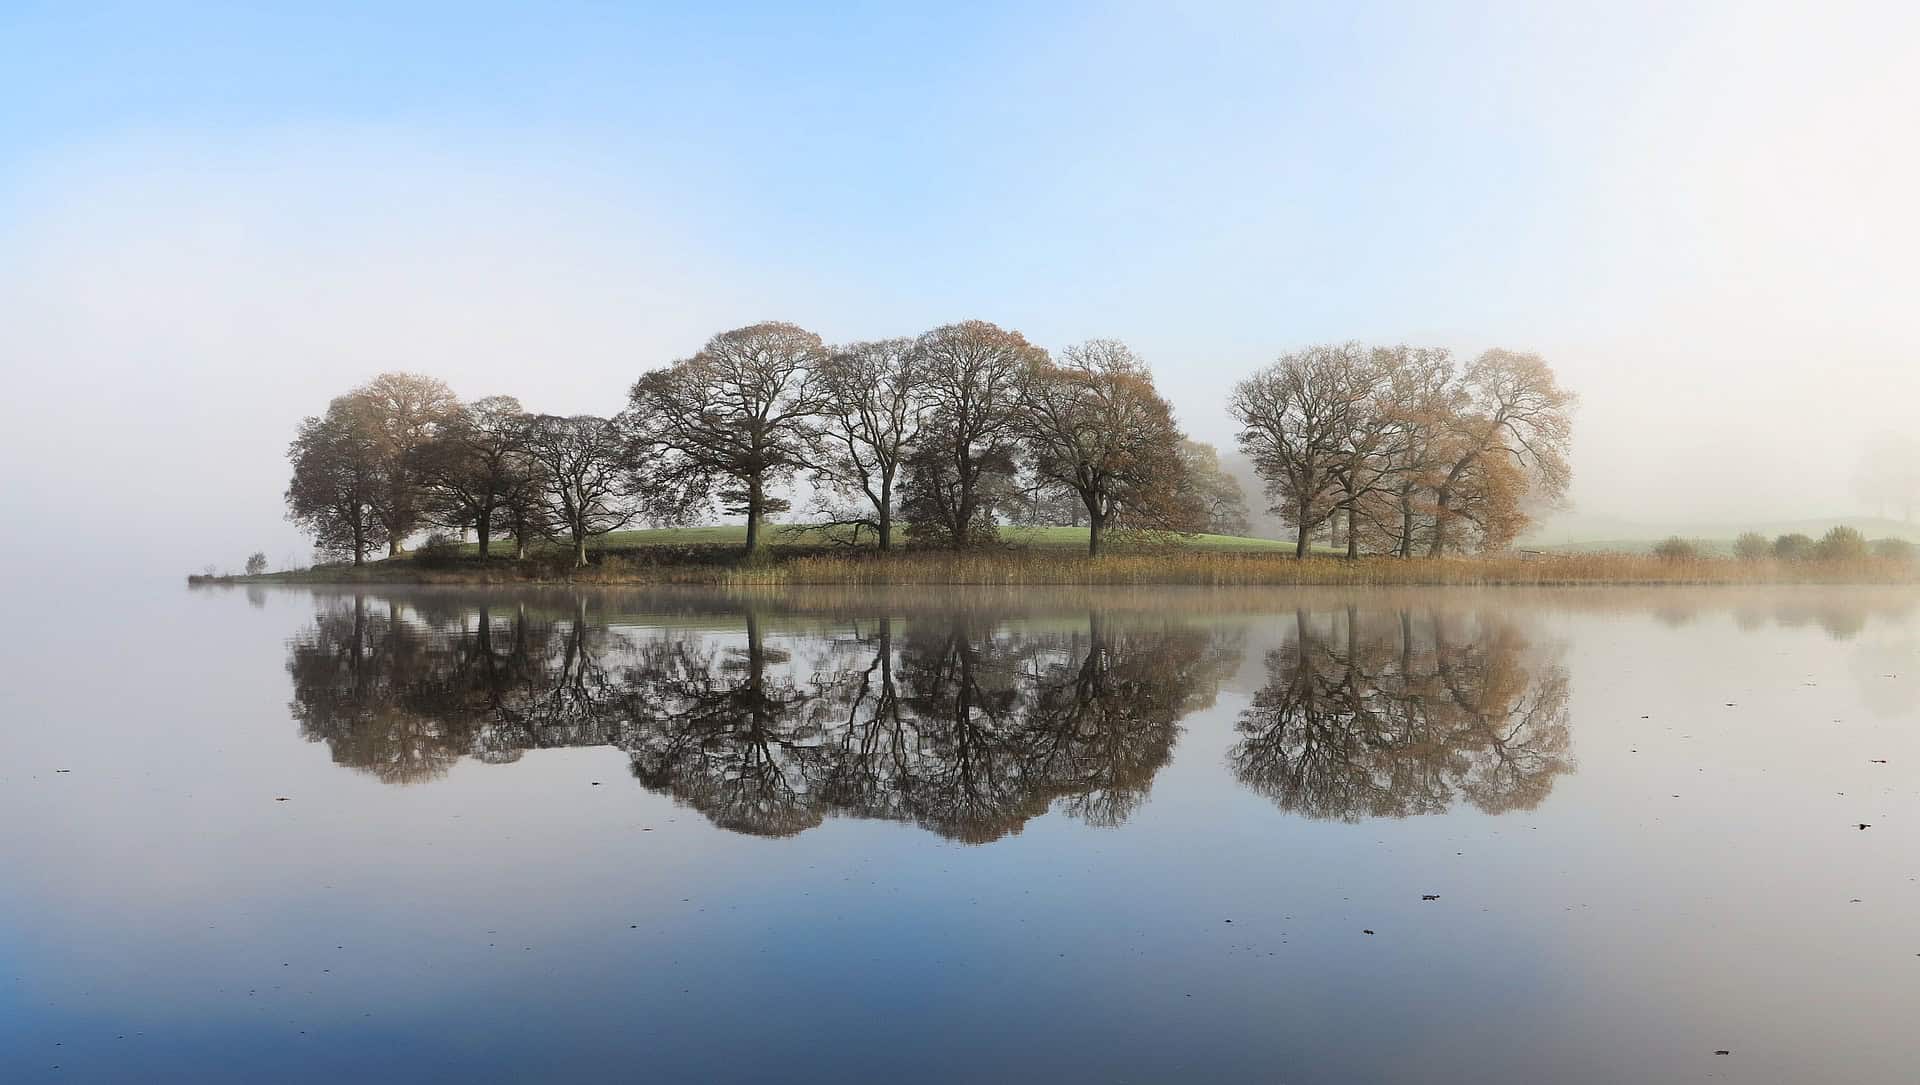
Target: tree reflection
x=1399 y=715
x=962 y=723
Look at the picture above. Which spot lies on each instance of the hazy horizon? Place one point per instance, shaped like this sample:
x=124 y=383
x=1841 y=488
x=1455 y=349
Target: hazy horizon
x=210 y=226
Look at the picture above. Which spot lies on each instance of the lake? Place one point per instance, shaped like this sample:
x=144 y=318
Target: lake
x=1515 y=835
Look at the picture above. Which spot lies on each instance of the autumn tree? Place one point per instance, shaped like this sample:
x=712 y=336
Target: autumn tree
x=1223 y=504
x=1293 y=418
x=869 y=421
x=974 y=375
x=478 y=464
x=407 y=412
x=1507 y=443
x=732 y=421
x=586 y=468
x=337 y=480
x=1094 y=425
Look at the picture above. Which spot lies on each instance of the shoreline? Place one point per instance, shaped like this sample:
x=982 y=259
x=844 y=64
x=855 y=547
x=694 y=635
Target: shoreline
x=1013 y=567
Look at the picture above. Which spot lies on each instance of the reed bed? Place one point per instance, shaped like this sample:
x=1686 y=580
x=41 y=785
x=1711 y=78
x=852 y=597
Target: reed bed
x=1215 y=569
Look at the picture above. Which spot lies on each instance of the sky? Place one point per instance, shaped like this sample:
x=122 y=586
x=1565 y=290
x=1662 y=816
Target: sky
x=213 y=218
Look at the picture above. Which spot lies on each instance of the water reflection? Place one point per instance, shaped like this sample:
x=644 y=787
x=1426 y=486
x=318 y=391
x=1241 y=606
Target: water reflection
x=963 y=723
x=1396 y=714
x=969 y=722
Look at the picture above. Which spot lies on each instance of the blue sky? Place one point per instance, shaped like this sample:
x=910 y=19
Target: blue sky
x=1696 y=212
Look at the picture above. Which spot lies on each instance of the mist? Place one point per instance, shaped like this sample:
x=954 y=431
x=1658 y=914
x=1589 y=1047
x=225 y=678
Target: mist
x=1704 y=221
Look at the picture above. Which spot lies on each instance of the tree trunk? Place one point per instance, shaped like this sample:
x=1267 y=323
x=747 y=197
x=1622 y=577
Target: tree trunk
x=579 y=549
x=484 y=528
x=755 y=498
x=1441 y=500
x=393 y=546
x=1406 y=527
x=1096 y=530
x=884 y=517
x=1304 y=532
x=1353 y=540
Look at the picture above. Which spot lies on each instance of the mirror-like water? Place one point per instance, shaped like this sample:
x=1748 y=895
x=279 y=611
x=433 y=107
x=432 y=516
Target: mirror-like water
x=1592 y=835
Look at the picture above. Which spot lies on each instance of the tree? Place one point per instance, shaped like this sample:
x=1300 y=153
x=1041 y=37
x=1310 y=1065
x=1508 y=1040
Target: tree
x=1841 y=543
x=256 y=563
x=1751 y=546
x=1368 y=454
x=1513 y=430
x=524 y=509
x=737 y=415
x=1793 y=547
x=406 y=413
x=1223 y=504
x=974 y=375
x=586 y=469
x=337 y=480
x=1421 y=399
x=1675 y=548
x=477 y=464
x=1293 y=419
x=1095 y=426
x=869 y=422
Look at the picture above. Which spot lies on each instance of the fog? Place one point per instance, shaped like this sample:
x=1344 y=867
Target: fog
x=1704 y=221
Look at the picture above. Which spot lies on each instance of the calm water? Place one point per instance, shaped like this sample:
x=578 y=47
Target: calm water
x=1590 y=836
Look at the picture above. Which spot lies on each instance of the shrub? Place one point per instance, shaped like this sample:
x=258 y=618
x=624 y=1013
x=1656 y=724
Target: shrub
x=1895 y=550
x=1675 y=548
x=439 y=551
x=1751 y=546
x=1841 y=544
x=1795 y=547
x=256 y=563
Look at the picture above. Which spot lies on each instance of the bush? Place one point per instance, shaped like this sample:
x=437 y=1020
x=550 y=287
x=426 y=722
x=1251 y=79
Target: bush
x=439 y=551
x=256 y=563
x=1895 y=550
x=1841 y=544
x=1752 y=546
x=1795 y=547
x=1675 y=548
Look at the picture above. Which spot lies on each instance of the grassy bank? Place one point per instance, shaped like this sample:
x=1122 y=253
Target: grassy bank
x=1062 y=566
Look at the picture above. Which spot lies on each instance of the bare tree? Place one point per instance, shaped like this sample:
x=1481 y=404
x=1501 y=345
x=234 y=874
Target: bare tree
x=738 y=414
x=256 y=563
x=1509 y=442
x=1293 y=419
x=869 y=420
x=337 y=480
x=478 y=464
x=975 y=374
x=586 y=469
x=1095 y=426
x=1223 y=503
x=1372 y=437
